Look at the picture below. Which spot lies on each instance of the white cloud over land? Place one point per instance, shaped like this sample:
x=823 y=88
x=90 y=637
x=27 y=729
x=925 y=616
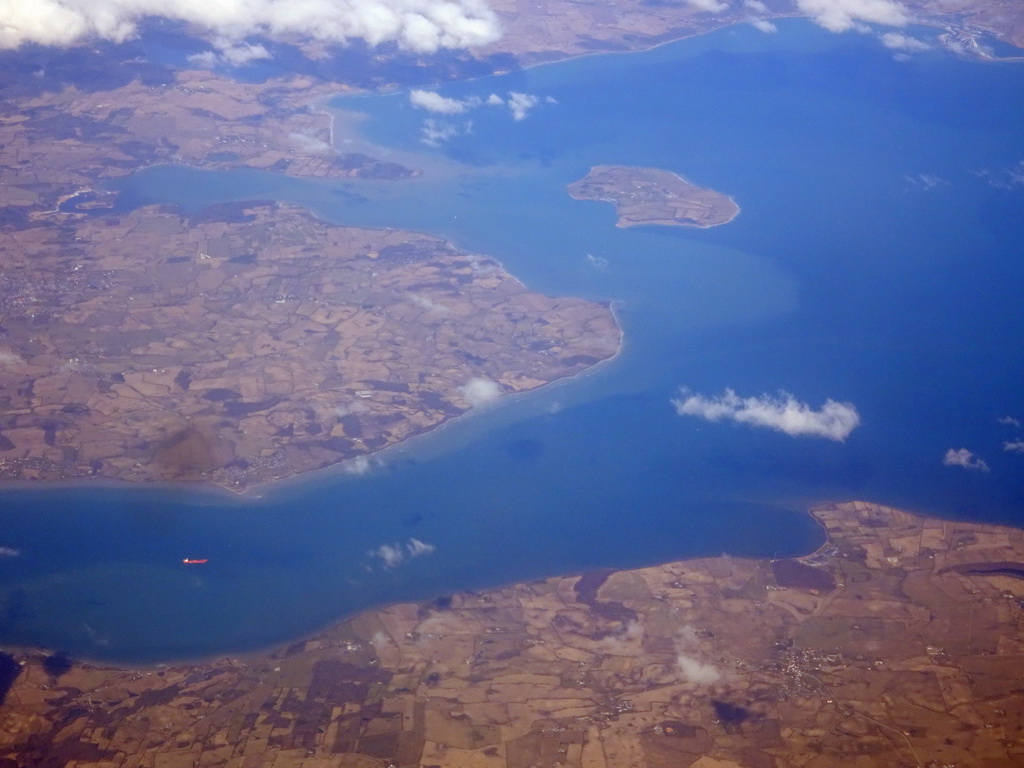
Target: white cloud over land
x=230 y=53
x=688 y=659
x=480 y=391
x=423 y=26
x=843 y=15
x=784 y=413
x=696 y=671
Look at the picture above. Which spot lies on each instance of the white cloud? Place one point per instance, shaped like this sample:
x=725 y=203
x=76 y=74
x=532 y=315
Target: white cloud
x=428 y=304
x=697 y=672
x=691 y=667
x=349 y=408
x=437 y=132
x=422 y=26
x=900 y=42
x=360 y=465
x=709 y=6
x=435 y=102
x=843 y=15
x=756 y=6
x=628 y=641
x=242 y=53
x=1014 y=446
x=1009 y=421
x=764 y=26
x=600 y=263
x=1004 y=178
x=483 y=266
x=955 y=46
x=1015 y=174
x=927 y=181
x=964 y=458
x=205 y=60
x=417 y=548
x=392 y=555
x=520 y=104
x=9 y=358
x=233 y=54
x=311 y=145
x=9 y=552
x=480 y=391
x=834 y=420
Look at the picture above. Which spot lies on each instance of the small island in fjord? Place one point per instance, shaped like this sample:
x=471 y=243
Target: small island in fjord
x=654 y=196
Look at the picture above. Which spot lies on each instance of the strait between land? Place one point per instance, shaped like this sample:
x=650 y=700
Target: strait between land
x=900 y=642
x=70 y=120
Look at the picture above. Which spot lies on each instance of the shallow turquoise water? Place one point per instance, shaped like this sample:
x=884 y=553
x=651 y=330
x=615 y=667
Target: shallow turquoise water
x=876 y=260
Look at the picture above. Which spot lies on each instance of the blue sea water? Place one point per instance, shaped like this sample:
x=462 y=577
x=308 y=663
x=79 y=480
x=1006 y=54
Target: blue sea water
x=877 y=260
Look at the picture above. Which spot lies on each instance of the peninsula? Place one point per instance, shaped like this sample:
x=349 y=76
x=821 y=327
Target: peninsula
x=898 y=642
x=653 y=196
x=254 y=342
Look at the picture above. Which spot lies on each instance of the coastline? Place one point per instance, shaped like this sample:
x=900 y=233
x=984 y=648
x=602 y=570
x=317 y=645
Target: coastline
x=333 y=471
x=629 y=224
x=841 y=513
x=233 y=495
x=573 y=316
x=940 y=25
x=255 y=655
x=627 y=190
x=406 y=443
x=630 y=665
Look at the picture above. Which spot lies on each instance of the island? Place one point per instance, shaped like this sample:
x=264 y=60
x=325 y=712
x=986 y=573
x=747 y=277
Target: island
x=899 y=642
x=253 y=342
x=653 y=196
